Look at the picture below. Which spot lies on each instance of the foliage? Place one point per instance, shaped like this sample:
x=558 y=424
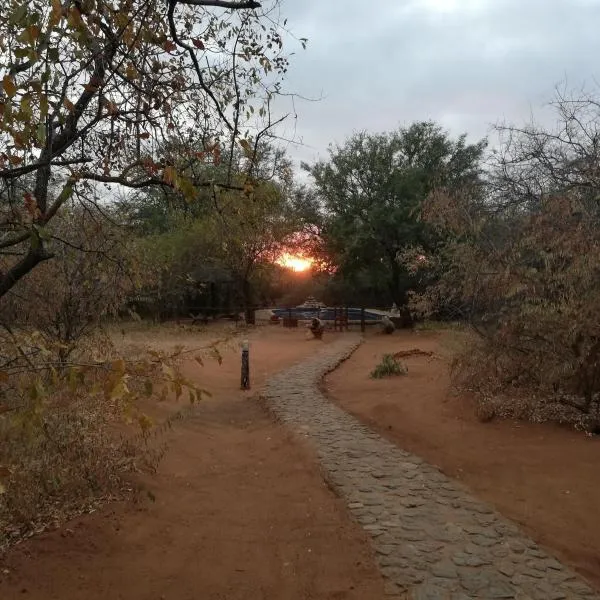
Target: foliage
x=388 y=367
x=234 y=237
x=372 y=189
x=524 y=267
x=60 y=446
x=95 y=91
x=67 y=298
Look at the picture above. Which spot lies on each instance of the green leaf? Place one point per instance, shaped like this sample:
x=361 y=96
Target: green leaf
x=18 y=15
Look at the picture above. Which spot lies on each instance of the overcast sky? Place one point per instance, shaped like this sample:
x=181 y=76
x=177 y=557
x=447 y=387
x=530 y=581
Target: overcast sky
x=380 y=64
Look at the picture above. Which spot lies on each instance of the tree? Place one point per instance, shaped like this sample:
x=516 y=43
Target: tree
x=238 y=232
x=65 y=300
x=91 y=90
x=372 y=190
x=524 y=263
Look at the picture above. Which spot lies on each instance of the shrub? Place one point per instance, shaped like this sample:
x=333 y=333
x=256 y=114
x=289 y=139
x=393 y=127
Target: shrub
x=66 y=435
x=522 y=264
x=387 y=367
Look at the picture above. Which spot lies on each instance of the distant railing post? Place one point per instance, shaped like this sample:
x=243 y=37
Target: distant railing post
x=363 y=325
x=245 y=365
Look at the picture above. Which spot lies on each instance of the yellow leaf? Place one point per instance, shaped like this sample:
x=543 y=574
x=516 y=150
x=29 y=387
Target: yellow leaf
x=245 y=144
x=131 y=72
x=9 y=86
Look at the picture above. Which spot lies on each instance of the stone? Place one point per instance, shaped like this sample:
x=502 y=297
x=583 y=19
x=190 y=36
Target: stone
x=410 y=536
x=384 y=549
x=445 y=570
x=506 y=568
x=474 y=581
x=429 y=533
x=428 y=591
x=392 y=560
x=366 y=519
x=391 y=589
x=500 y=590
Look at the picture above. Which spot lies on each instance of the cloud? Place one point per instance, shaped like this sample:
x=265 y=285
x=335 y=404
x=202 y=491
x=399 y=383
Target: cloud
x=464 y=63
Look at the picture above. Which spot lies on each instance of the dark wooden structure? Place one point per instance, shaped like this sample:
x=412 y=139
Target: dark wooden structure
x=340 y=319
x=290 y=320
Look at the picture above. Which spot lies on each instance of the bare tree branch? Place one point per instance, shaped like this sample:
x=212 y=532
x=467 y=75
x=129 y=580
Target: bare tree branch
x=244 y=4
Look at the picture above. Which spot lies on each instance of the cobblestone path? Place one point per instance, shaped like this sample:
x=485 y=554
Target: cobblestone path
x=432 y=539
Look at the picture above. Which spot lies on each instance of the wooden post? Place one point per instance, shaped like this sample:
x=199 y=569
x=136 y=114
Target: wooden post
x=347 y=318
x=363 y=324
x=245 y=365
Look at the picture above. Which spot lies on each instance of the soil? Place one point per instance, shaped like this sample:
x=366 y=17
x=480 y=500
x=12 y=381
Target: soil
x=542 y=476
x=240 y=509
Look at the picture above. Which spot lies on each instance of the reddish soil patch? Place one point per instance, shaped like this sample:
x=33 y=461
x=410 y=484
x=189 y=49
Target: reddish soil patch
x=240 y=512
x=541 y=476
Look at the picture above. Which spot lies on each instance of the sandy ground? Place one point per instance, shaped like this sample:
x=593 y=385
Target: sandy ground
x=542 y=476
x=240 y=509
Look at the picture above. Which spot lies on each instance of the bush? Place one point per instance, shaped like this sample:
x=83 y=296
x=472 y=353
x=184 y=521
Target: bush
x=387 y=367
x=66 y=435
x=522 y=261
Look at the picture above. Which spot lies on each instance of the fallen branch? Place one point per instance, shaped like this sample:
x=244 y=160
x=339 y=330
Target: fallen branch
x=413 y=352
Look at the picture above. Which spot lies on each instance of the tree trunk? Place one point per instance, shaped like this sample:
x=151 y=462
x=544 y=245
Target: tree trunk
x=249 y=313
x=399 y=296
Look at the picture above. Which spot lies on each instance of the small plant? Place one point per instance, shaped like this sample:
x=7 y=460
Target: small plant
x=387 y=367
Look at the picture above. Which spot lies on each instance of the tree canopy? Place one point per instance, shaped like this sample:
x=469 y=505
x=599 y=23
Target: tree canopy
x=93 y=91
x=372 y=190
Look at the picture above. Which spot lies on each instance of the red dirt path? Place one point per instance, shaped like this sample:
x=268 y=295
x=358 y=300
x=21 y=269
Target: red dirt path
x=241 y=512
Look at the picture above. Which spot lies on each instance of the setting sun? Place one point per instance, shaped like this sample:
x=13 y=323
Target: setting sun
x=295 y=262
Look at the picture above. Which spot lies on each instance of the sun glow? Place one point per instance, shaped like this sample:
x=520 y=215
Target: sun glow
x=294 y=262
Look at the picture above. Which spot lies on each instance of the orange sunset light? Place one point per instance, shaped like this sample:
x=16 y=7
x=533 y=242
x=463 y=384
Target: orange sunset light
x=294 y=262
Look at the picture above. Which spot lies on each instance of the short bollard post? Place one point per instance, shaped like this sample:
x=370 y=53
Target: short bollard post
x=245 y=365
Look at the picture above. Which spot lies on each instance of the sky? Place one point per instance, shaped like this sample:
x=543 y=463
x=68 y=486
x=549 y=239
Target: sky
x=377 y=65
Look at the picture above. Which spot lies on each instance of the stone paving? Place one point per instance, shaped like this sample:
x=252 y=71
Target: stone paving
x=432 y=539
